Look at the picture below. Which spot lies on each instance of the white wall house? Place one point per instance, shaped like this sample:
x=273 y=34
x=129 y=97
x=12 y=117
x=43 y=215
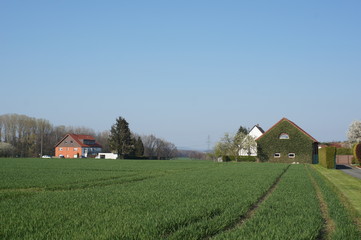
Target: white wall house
x=255 y=133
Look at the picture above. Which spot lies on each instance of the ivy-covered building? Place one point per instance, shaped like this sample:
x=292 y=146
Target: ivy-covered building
x=287 y=142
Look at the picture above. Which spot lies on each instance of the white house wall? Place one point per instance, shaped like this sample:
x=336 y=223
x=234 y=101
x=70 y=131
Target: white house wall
x=255 y=133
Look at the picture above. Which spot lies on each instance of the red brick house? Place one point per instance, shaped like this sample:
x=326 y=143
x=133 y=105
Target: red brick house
x=75 y=146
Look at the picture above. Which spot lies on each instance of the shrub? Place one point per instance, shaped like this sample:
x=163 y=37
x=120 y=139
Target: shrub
x=226 y=158
x=357 y=152
x=327 y=157
x=343 y=151
x=6 y=149
x=246 y=159
x=353 y=160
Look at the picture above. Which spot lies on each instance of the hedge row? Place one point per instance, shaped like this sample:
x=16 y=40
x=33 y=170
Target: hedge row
x=327 y=157
x=239 y=158
x=343 y=151
x=357 y=153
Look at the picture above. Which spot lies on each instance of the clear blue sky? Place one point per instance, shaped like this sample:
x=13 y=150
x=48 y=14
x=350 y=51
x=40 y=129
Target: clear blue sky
x=183 y=70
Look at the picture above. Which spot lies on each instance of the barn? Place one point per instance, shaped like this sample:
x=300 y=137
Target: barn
x=287 y=142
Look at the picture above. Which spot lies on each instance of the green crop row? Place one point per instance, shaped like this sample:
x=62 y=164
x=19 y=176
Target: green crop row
x=290 y=212
x=175 y=199
x=343 y=225
x=101 y=199
x=55 y=173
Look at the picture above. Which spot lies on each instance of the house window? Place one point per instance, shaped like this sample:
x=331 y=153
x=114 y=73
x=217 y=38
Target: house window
x=291 y=155
x=71 y=141
x=75 y=149
x=277 y=155
x=60 y=149
x=284 y=136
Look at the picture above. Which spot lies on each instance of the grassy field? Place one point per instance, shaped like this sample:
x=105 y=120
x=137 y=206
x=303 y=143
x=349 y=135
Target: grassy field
x=348 y=185
x=177 y=199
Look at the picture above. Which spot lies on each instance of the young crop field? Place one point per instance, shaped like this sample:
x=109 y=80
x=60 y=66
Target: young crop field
x=176 y=199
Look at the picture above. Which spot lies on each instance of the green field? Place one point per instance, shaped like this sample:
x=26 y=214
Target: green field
x=177 y=199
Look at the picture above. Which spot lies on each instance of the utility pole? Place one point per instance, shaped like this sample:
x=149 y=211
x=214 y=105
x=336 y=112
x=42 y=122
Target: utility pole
x=208 y=142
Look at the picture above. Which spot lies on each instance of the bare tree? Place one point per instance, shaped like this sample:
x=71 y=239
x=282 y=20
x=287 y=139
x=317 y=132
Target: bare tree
x=227 y=146
x=231 y=145
x=32 y=137
x=102 y=138
x=158 y=148
x=150 y=145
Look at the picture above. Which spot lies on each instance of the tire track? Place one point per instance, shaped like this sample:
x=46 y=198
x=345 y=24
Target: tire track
x=252 y=210
x=328 y=225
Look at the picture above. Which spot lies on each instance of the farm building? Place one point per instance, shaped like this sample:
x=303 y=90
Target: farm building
x=75 y=146
x=287 y=142
x=255 y=133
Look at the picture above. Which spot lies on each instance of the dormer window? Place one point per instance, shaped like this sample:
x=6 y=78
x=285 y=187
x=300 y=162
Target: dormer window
x=284 y=136
x=88 y=141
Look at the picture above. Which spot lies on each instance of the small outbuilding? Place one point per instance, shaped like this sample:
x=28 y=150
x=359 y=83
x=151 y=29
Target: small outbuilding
x=107 y=156
x=287 y=142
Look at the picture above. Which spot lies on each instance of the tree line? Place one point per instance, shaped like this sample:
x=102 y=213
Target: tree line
x=24 y=136
x=128 y=145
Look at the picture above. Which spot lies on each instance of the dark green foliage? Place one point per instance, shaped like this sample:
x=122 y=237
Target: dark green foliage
x=120 y=138
x=298 y=143
x=243 y=130
x=327 y=156
x=139 y=147
x=226 y=158
x=343 y=151
x=246 y=159
x=357 y=152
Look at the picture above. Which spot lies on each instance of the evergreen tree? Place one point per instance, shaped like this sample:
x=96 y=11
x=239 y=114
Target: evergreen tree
x=120 y=139
x=139 y=147
x=243 y=130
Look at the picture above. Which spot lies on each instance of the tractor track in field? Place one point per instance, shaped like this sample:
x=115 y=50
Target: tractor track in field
x=252 y=210
x=102 y=182
x=72 y=186
x=92 y=183
x=328 y=223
